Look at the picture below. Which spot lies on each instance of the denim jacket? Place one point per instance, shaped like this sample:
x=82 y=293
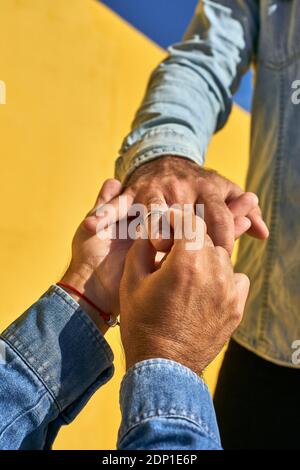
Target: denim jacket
x=52 y=360
x=189 y=97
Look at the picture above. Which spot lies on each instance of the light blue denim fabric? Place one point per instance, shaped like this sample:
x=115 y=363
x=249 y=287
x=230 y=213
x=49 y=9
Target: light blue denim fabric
x=189 y=97
x=53 y=359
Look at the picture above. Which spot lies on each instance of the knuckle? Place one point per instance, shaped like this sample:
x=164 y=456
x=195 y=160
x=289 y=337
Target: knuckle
x=235 y=187
x=218 y=273
x=223 y=256
x=135 y=186
x=151 y=187
x=217 y=179
x=236 y=316
x=245 y=279
x=221 y=252
x=155 y=201
x=223 y=218
x=251 y=198
x=221 y=282
x=177 y=190
x=173 y=181
x=207 y=186
x=111 y=181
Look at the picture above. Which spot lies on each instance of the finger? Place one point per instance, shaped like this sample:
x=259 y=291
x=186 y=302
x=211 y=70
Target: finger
x=188 y=242
x=241 y=226
x=226 y=264
x=189 y=231
x=140 y=261
x=241 y=208
x=242 y=285
x=155 y=202
x=208 y=241
x=220 y=223
x=258 y=228
x=152 y=200
x=247 y=205
x=111 y=188
x=233 y=192
x=188 y=227
x=109 y=213
x=160 y=259
x=223 y=254
x=160 y=232
x=243 y=205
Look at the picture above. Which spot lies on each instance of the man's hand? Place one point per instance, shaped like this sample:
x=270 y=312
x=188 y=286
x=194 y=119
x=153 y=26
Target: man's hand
x=97 y=264
x=186 y=309
x=228 y=210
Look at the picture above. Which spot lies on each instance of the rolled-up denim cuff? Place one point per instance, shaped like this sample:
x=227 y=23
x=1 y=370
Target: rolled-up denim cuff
x=156 y=143
x=159 y=388
x=63 y=347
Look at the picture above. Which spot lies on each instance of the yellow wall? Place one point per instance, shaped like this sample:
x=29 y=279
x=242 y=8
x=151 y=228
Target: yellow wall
x=75 y=73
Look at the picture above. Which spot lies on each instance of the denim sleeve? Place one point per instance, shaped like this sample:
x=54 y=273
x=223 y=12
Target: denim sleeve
x=189 y=96
x=52 y=360
x=166 y=406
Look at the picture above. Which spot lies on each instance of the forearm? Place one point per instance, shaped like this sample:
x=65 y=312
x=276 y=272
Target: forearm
x=53 y=359
x=166 y=406
x=189 y=96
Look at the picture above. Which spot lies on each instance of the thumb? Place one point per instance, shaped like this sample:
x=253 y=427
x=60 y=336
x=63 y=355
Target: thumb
x=242 y=284
x=140 y=261
x=241 y=226
x=110 y=189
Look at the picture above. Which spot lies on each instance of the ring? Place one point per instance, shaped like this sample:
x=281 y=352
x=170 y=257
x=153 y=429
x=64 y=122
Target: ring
x=112 y=322
x=159 y=212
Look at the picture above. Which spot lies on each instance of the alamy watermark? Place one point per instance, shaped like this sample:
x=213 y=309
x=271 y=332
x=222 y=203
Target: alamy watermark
x=178 y=222
x=296 y=354
x=2 y=92
x=296 y=94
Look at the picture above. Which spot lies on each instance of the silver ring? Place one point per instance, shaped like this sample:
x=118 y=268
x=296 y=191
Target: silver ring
x=159 y=212
x=112 y=322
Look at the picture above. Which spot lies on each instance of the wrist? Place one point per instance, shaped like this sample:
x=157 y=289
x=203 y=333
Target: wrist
x=155 y=167
x=83 y=280
x=159 y=348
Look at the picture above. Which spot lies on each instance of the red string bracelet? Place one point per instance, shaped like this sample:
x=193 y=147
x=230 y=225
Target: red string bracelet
x=109 y=320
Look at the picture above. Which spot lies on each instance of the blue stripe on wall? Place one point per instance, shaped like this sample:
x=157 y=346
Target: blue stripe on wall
x=165 y=21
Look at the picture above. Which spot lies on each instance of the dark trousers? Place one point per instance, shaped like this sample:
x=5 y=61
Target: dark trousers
x=257 y=403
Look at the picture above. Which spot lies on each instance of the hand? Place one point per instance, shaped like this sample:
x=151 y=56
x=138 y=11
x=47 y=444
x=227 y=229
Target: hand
x=228 y=210
x=185 y=310
x=97 y=265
